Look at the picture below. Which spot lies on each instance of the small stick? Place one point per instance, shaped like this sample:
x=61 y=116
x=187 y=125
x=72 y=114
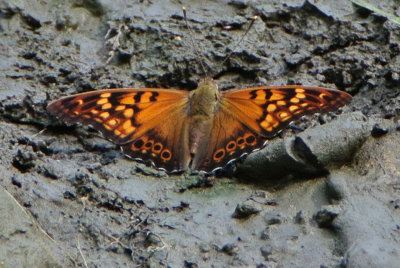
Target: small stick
x=81 y=253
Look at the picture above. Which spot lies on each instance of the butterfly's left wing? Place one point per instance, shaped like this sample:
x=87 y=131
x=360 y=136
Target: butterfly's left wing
x=148 y=123
x=247 y=117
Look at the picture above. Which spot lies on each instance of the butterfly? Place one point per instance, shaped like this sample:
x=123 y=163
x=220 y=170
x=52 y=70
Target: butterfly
x=200 y=130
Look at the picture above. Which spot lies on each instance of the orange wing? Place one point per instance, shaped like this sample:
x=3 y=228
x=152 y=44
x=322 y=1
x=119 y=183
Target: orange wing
x=143 y=121
x=229 y=139
x=247 y=117
x=267 y=110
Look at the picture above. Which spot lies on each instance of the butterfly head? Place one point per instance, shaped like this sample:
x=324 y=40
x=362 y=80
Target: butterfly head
x=207 y=86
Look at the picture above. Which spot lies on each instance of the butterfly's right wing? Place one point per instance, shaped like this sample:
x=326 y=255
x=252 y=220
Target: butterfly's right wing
x=269 y=109
x=147 y=123
x=246 y=117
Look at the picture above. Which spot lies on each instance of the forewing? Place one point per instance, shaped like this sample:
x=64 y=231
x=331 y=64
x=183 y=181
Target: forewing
x=147 y=123
x=267 y=110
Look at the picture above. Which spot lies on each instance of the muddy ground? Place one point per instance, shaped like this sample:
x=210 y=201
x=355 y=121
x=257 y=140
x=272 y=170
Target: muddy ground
x=324 y=193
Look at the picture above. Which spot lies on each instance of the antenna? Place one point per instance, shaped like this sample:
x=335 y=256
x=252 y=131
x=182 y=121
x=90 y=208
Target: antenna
x=241 y=39
x=194 y=46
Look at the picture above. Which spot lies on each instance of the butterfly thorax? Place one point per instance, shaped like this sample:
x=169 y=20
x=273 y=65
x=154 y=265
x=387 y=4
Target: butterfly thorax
x=203 y=100
x=203 y=106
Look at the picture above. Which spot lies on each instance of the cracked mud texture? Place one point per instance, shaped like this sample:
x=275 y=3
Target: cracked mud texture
x=323 y=193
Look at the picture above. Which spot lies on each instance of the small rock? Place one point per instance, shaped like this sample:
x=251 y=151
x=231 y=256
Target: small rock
x=265 y=234
x=181 y=207
x=266 y=251
x=69 y=195
x=24 y=161
x=395 y=76
x=395 y=204
x=389 y=115
x=325 y=217
x=65 y=42
x=379 y=131
x=204 y=248
x=29 y=55
x=153 y=240
x=115 y=249
x=271 y=219
x=110 y=201
x=149 y=171
x=31 y=21
x=72 y=77
x=230 y=249
x=245 y=210
x=49 y=79
x=188 y=264
x=15 y=181
x=98 y=144
x=241 y=4
x=124 y=56
x=64 y=71
x=61 y=24
x=52 y=172
x=43 y=147
x=299 y=219
x=109 y=158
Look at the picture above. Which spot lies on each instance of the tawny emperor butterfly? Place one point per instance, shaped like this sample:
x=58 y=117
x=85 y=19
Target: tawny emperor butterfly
x=199 y=130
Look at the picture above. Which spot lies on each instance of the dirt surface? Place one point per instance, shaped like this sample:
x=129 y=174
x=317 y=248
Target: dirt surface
x=324 y=193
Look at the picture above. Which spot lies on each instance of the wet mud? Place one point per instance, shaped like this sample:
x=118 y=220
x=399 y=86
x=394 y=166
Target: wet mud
x=323 y=193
